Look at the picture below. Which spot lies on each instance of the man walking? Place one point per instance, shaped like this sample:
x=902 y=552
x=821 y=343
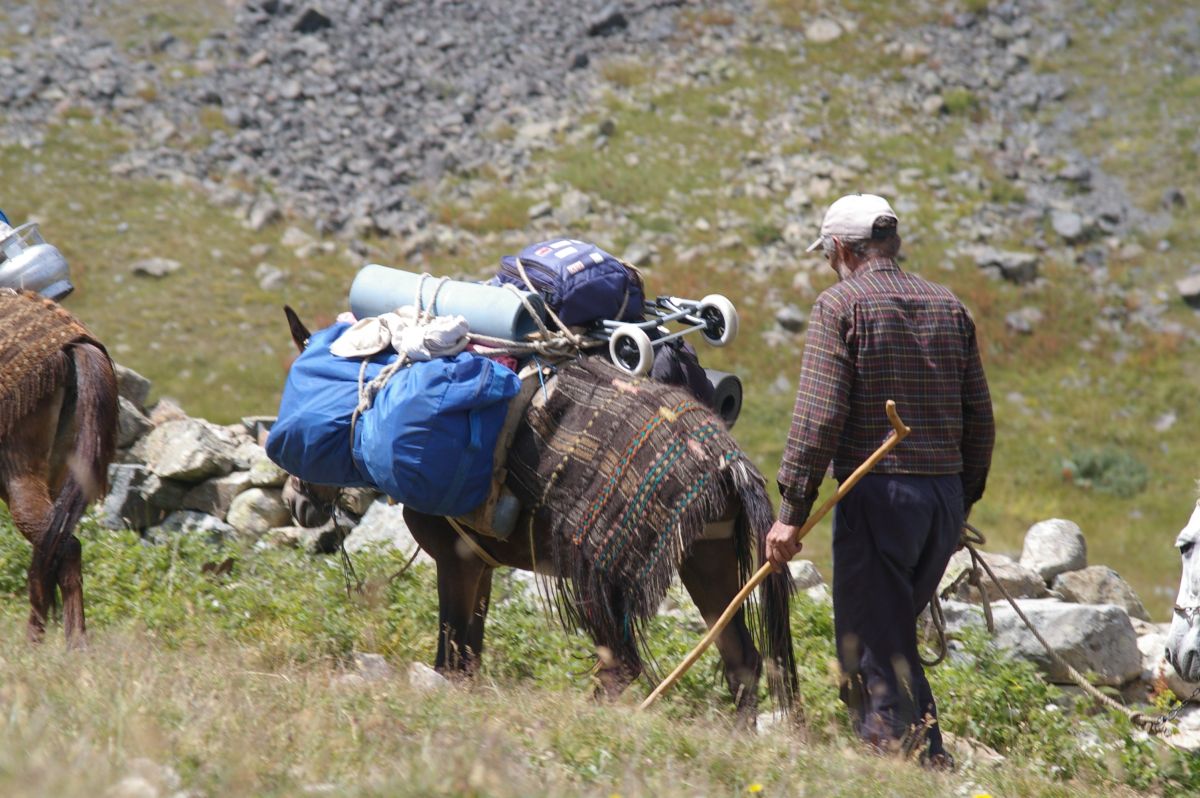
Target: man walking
x=881 y=334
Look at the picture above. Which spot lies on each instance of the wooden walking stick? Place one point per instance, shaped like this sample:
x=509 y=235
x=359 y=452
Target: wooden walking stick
x=899 y=432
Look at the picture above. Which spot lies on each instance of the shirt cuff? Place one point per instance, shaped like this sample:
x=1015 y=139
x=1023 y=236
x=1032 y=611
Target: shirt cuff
x=794 y=513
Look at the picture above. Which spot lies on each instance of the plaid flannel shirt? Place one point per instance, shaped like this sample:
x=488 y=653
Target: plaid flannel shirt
x=884 y=334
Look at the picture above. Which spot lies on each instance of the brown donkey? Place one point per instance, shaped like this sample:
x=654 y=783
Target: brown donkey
x=711 y=569
x=58 y=427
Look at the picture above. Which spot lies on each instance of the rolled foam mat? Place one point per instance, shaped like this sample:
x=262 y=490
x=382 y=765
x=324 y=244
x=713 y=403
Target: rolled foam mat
x=489 y=310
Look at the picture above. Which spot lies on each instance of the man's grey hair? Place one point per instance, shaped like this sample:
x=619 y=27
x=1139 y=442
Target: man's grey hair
x=859 y=246
x=884 y=241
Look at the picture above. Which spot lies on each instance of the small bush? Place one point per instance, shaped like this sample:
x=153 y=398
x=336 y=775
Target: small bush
x=1108 y=470
x=1004 y=192
x=961 y=102
x=765 y=233
x=626 y=73
x=985 y=695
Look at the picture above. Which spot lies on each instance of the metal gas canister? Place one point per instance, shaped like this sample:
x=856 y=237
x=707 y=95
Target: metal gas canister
x=27 y=262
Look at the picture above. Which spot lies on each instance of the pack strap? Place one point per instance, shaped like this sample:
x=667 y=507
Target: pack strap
x=471 y=544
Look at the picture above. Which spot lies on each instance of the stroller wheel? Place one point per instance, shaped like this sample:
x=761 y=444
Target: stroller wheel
x=720 y=320
x=630 y=349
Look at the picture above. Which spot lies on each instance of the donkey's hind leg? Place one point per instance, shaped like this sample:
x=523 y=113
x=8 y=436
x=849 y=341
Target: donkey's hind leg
x=30 y=506
x=69 y=566
x=24 y=487
x=483 y=600
x=461 y=614
x=70 y=582
x=710 y=575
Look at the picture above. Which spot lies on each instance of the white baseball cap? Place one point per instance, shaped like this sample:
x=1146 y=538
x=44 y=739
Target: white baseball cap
x=852 y=217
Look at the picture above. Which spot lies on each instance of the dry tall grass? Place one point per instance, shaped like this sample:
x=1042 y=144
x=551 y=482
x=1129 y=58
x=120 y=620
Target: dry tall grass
x=131 y=717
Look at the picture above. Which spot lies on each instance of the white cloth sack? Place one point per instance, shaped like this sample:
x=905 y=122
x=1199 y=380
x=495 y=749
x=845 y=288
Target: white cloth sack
x=441 y=336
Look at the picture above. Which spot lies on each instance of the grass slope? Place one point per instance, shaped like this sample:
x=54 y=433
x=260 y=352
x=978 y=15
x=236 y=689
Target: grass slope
x=237 y=685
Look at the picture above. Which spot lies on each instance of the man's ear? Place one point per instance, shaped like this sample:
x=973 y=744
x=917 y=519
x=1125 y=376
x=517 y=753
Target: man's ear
x=838 y=258
x=839 y=248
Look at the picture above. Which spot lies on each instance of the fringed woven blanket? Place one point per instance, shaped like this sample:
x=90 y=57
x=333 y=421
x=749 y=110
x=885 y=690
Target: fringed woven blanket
x=626 y=472
x=32 y=330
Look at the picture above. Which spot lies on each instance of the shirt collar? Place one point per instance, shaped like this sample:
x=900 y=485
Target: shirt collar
x=879 y=264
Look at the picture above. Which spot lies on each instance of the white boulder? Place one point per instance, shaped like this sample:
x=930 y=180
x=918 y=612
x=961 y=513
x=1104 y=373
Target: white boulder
x=1053 y=547
x=1095 y=639
x=805 y=574
x=1099 y=584
x=188 y=449
x=822 y=31
x=424 y=679
x=257 y=510
x=1019 y=581
x=383 y=525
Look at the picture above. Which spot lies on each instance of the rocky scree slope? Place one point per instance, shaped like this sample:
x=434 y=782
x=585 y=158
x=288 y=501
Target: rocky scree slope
x=337 y=108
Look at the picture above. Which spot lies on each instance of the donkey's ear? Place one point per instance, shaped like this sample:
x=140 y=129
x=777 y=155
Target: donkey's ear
x=300 y=333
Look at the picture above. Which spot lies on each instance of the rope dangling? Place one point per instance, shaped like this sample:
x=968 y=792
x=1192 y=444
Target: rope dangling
x=970 y=538
x=1154 y=724
x=937 y=618
x=367 y=391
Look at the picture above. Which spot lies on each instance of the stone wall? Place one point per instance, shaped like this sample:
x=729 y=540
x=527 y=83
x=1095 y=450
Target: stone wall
x=180 y=475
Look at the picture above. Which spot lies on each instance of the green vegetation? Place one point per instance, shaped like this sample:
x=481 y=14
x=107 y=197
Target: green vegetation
x=238 y=684
x=765 y=233
x=961 y=102
x=872 y=15
x=626 y=73
x=228 y=680
x=1003 y=192
x=1109 y=470
x=496 y=210
x=144 y=27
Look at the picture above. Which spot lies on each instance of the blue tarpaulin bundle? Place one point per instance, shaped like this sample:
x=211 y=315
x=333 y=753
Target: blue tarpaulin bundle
x=311 y=436
x=427 y=439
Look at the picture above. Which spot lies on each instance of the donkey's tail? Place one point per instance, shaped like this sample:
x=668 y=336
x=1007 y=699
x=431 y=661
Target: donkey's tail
x=767 y=613
x=96 y=409
x=776 y=629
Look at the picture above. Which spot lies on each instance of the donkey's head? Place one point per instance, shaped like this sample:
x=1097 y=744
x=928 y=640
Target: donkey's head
x=310 y=504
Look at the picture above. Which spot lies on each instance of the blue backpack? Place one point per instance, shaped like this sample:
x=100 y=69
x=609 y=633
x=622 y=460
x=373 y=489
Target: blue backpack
x=311 y=436
x=581 y=282
x=429 y=437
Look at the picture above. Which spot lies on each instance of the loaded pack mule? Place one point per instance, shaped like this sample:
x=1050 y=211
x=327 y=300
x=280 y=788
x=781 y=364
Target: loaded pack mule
x=622 y=483
x=58 y=428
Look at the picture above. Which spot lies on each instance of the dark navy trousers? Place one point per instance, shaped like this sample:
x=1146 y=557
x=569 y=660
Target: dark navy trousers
x=893 y=535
